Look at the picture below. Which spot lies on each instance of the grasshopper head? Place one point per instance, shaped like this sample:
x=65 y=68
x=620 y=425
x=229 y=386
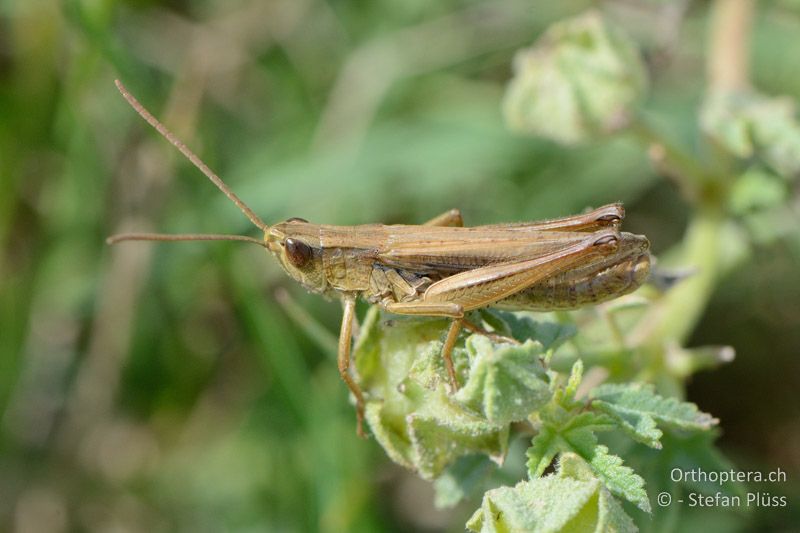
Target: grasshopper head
x=296 y=245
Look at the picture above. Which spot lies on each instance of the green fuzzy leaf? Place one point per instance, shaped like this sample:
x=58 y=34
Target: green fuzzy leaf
x=577 y=435
x=575 y=378
x=429 y=440
x=443 y=431
x=754 y=125
x=621 y=480
x=684 y=452
x=409 y=409
x=570 y=500
x=522 y=327
x=506 y=382
x=637 y=409
x=589 y=421
x=544 y=447
x=618 y=478
x=429 y=370
x=640 y=427
x=582 y=79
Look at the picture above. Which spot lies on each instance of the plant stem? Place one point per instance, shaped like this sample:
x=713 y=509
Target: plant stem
x=671 y=161
x=318 y=333
x=728 y=64
x=676 y=316
x=674 y=319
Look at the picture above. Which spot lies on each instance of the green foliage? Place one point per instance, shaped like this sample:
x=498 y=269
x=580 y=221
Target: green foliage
x=564 y=432
x=752 y=125
x=550 y=335
x=572 y=499
x=565 y=427
x=636 y=408
x=409 y=409
x=426 y=429
x=583 y=78
x=505 y=383
x=461 y=480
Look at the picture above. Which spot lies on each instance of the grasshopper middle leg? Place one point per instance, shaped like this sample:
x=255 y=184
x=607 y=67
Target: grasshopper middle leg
x=450 y=219
x=343 y=360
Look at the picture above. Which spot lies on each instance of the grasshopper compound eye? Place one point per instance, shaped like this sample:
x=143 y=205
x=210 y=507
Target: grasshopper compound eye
x=298 y=252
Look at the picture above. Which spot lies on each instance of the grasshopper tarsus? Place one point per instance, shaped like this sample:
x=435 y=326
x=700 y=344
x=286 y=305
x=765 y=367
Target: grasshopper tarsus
x=493 y=336
x=360 y=433
x=441 y=268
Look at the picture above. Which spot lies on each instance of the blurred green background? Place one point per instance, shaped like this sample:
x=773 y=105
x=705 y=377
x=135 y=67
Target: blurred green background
x=174 y=387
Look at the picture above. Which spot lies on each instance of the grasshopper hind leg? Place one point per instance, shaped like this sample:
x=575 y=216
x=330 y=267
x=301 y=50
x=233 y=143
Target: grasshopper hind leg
x=447 y=352
x=445 y=309
x=450 y=341
x=495 y=337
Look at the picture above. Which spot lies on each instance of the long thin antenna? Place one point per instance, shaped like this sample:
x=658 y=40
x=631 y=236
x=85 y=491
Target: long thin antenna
x=196 y=161
x=181 y=237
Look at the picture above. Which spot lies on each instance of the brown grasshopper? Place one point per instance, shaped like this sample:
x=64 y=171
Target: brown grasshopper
x=440 y=268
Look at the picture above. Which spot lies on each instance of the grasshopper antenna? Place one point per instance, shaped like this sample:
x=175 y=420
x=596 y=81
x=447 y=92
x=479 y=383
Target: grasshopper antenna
x=114 y=239
x=197 y=162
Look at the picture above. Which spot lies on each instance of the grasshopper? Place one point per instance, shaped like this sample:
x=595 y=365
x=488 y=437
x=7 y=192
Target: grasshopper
x=440 y=268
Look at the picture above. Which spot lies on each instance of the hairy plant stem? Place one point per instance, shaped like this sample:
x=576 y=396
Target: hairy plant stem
x=675 y=317
x=681 y=308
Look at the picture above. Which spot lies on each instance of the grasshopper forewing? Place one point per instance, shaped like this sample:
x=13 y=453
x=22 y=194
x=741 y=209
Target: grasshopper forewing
x=441 y=268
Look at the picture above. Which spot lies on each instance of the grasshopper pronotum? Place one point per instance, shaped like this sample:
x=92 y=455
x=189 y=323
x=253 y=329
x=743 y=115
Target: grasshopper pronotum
x=441 y=268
